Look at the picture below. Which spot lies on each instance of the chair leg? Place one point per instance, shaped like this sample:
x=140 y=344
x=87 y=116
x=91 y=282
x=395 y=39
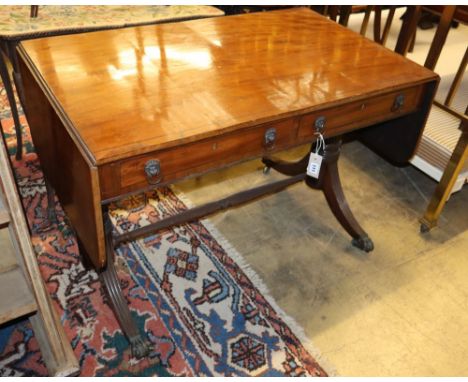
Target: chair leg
x=14 y=110
x=457 y=80
x=444 y=188
x=345 y=12
x=377 y=22
x=381 y=36
x=413 y=42
x=388 y=25
x=333 y=11
x=440 y=36
x=408 y=29
x=34 y=11
x=365 y=21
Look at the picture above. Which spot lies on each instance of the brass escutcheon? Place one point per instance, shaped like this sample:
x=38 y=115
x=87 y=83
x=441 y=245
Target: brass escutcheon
x=399 y=102
x=153 y=171
x=320 y=124
x=270 y=138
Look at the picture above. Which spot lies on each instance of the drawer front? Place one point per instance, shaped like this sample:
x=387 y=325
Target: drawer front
x=175 y=163
x=342 y=119
x=178 y=162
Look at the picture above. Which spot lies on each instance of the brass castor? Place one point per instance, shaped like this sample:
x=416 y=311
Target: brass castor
x=364 y=243
x=424 y=228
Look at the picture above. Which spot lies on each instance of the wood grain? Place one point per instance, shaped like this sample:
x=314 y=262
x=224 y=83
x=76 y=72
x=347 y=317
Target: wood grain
x=200 y=95
x=132 y=91
x=4 y=214
x=65 y=164
x=396 y=140
x=192 y=159
x=7 y=257
x=17 y=300
x=345 y=118
x=197 y=157
x=4 y=218
x=25 y=276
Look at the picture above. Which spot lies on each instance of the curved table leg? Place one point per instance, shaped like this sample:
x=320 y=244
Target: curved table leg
x=140 y=346
x=329 y=183
x=287 y=168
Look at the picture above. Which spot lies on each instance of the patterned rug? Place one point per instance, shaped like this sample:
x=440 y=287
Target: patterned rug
x=15 y=20
x=205 y=312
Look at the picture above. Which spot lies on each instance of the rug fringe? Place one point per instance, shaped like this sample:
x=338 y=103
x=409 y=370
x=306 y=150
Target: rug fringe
x=262 y=287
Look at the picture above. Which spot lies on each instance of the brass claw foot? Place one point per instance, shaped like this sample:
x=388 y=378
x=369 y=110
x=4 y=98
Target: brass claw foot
x=140 y=347
x=364 y=243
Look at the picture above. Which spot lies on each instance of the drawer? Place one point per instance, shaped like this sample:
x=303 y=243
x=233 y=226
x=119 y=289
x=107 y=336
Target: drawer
x=194 y=158
x=344 y=118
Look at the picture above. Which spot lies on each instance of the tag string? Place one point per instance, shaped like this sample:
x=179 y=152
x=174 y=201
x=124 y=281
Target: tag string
x=321 y=143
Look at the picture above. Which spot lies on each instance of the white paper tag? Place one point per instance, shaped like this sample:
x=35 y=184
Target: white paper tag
x=315 y=162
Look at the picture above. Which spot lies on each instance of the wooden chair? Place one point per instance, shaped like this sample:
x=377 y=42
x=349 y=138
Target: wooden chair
x=344 y=11
x=443 y=189
x=379 y=36
x=460 y=15
x=457 y=160
x=406 y=39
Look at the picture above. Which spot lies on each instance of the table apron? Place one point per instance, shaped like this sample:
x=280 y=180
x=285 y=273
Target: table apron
x=128 y=176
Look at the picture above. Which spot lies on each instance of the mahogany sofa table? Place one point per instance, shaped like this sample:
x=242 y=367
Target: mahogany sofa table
x=120 y=111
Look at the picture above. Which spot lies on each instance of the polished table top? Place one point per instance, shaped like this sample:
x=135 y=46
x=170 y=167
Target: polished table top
x=135 y=90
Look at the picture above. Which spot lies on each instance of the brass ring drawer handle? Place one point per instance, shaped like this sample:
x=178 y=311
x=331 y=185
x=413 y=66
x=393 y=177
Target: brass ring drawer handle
x=398 y=103
x=319 y=124
x=153 y=171
x=270 y=138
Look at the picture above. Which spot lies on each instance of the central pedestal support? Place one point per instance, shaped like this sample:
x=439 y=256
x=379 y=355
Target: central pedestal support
x=329 y=183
